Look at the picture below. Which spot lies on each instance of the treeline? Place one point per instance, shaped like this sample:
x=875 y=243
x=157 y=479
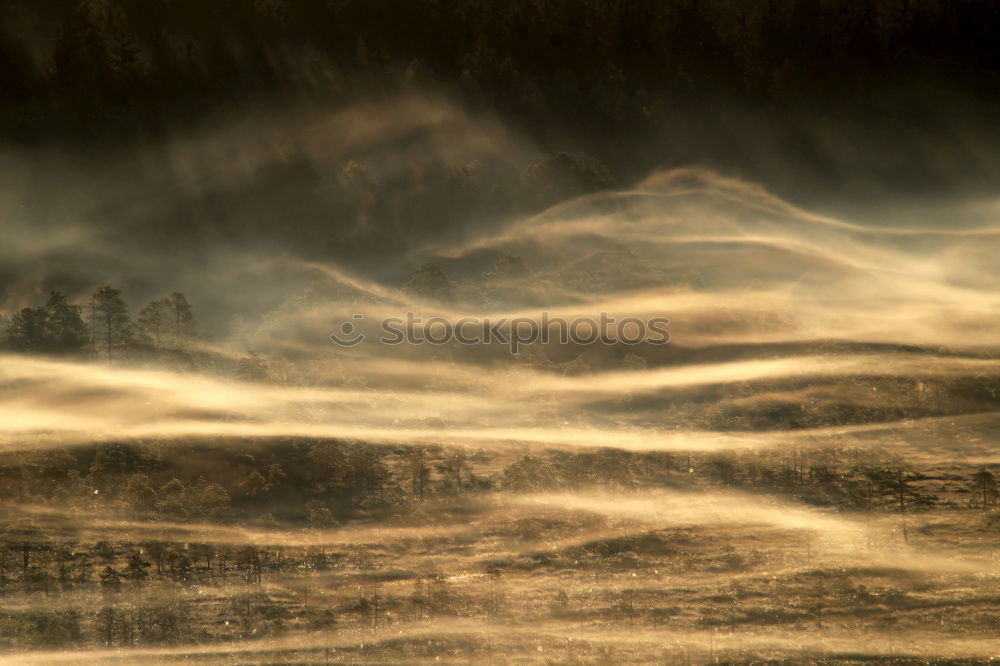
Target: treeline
x=137 y=591
x=104 y=326
x=850 y=480
x=586 y=61
x=318 y=483
x=322 y=483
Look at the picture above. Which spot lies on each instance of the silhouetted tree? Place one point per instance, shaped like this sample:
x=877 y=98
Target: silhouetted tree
x=25 y=535
x=318 y=514
x=107 y=621
x=138 y=494
x=254 y=484
x=5 y=553
x=367 y=472
x=57 y=327
x=203 y=551
x=152 y=321
x=416 y=461
x=135 y=570
x=207 y=498
x=172 y=500
x=114 y=462
x=26 y=330
x=327 y=467
x=112 y=327
x=111 y=580
x=455 y=467
x=896 y=487
x=181 y=316
x=984 y=490
x=65 y=329
x=527 y=473
x=429 y=279
x=158 y=551
x=181 y=568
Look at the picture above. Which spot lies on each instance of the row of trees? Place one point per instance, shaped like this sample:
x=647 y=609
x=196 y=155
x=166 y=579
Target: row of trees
x=118 y=575
x=29 y=556
x=56 y=327
x=59 y=326
x=319 y=482
x=612 y=55
x=322 y=482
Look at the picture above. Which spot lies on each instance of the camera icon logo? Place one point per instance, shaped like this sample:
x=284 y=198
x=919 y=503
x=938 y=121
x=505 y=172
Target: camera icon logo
x=348 y=336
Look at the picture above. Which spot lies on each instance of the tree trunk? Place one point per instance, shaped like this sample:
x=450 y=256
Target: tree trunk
x=109 y=328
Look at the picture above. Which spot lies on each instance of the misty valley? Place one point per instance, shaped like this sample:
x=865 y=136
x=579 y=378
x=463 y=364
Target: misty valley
x=513 y=332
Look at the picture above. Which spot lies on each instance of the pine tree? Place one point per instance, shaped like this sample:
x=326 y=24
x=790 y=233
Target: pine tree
x=417 y=465
x=57 y=327
x=152 y=321
x=455 y=466
x=111 y=326
x=65 y=330
x=895 y=487
x=984 y=490
x=26 y=330
x=135 y=571
x=183 y=319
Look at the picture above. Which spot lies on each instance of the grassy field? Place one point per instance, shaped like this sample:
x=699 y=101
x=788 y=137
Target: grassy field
x=663 y=562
